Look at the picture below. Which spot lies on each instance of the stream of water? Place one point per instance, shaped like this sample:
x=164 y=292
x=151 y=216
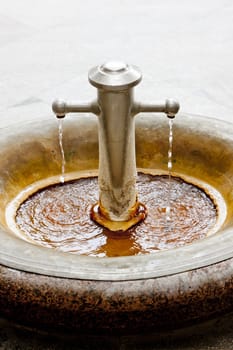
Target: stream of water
x=169 y=167
x=63 y=161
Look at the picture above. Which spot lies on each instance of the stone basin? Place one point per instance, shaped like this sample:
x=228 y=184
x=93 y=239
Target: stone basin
x=48 y=289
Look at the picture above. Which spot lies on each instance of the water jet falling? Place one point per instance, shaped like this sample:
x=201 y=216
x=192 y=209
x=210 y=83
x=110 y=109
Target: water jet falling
x=169 y=167
x=63 y=161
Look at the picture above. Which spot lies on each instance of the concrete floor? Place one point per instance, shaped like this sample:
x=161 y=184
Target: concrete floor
x=184 y=49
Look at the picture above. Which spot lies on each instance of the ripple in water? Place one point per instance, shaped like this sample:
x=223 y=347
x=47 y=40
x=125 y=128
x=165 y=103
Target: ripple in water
x=59 y=217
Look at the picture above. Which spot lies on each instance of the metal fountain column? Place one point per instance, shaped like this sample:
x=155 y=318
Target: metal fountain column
x=118 y=208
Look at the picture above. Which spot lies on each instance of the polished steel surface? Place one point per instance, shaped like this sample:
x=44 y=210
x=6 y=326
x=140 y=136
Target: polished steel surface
x=115 y=108
x=114 y=75
x=61 y=108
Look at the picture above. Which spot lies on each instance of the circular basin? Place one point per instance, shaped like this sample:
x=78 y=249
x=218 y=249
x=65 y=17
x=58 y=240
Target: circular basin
x=46 y=288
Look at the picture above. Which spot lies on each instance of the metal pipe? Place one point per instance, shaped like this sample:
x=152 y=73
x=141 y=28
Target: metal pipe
x=118 y=208
x=169 y=106
x=61 y=108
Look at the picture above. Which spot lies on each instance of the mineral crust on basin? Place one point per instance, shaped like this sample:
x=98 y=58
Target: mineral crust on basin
x=58 y=217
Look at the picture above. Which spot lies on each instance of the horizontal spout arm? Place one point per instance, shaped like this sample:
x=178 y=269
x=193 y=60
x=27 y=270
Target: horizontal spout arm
x=61 y=108
x=169 y=106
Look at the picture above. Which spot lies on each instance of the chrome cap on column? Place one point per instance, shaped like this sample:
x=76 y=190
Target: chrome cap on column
x=114 y=75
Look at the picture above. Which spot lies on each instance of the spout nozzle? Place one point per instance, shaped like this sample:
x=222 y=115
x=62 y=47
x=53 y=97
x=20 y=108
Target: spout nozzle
x=171 y=108
x=59 y=108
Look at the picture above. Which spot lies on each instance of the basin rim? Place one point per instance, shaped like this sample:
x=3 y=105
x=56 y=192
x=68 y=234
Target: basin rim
x=21 y=255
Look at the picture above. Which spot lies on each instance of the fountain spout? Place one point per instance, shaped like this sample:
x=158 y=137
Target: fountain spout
x=118 y=208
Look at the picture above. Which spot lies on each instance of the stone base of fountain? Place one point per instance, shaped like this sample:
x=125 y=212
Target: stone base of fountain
x=120 y=308
x=116 y=308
